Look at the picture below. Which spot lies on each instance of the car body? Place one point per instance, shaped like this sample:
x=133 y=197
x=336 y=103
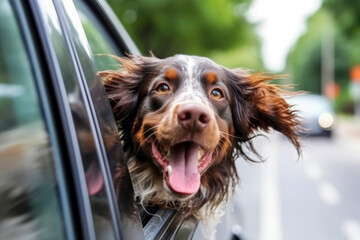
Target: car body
x=316 y=113
x=63 y=174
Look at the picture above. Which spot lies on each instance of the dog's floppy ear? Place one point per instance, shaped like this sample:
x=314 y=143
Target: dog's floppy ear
x=125 y=88
x=259 y=105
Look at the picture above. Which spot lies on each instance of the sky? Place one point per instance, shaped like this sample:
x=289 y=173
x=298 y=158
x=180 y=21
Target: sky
x=280 y=23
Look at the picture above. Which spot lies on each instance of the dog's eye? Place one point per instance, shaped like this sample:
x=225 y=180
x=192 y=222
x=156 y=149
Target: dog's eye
x=217 y=93
x=162 y=88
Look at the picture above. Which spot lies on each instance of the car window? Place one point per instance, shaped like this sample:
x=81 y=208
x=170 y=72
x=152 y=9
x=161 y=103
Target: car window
x=29 y=194
x=101 y=44
x=72 y=71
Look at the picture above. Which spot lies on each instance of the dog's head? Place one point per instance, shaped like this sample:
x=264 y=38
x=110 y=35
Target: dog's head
x=184 y=116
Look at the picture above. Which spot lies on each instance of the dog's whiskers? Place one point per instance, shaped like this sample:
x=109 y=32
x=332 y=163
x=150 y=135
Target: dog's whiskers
x=236 y=137
x=148 y=137
x=150 y=129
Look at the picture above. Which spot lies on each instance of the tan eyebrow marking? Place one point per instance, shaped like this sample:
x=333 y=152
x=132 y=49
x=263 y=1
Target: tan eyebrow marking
x=210 y=77
x=171 y=74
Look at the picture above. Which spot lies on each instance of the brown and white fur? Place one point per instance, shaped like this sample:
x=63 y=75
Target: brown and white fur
x=197 y=117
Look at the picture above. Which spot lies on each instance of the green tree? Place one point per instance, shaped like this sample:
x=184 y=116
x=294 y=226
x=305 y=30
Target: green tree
x=346 y=14
x=212 y=28
x=304 y=61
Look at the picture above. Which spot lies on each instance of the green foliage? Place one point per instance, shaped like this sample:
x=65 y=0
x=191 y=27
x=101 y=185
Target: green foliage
x=201 y=27
x=344 y=103
x=346 y=13
x=304 y=61
x=347 y=22
x=243 y=56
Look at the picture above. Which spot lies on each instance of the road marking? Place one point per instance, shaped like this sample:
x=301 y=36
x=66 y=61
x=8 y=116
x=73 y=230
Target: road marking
x=329 y=194
x=270 y=209
x=313 y=171
x=351 y=229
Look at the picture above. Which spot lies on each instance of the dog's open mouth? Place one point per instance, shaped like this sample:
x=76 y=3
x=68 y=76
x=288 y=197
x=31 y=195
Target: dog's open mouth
x=182 y=164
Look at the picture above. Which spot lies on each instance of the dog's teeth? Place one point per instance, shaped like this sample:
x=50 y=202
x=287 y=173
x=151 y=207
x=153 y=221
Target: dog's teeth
x=167 y=152
x=200 y=153
x=169 y=170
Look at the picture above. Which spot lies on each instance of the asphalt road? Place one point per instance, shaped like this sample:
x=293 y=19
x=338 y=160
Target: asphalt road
x=314 y=197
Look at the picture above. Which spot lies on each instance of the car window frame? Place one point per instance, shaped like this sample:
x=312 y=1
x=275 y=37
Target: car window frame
x=57 y=110
x=51 y=112
x=83 y=61
x=164 y=223
x=113 y=26
x=86 y=65
x=60 y=18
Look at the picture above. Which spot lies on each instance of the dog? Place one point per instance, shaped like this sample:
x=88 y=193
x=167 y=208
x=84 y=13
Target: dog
x=183 y=121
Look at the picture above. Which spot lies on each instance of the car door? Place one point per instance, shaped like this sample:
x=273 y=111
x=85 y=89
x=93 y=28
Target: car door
x=112 y=214
x=58 y=117
x=32 y=176
x=50 y=74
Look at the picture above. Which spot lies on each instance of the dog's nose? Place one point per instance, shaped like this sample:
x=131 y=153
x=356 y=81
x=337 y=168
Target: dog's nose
x=193 y=117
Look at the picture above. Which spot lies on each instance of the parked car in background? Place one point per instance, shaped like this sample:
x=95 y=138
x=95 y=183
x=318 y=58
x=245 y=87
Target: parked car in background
x=316 y=112
x=62 y=170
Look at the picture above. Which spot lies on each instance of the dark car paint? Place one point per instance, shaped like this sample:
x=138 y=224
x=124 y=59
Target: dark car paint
x=73 y=102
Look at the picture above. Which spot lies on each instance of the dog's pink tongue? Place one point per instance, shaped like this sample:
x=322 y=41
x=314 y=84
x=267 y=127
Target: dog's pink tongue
x=184 y=177
x=94 y=179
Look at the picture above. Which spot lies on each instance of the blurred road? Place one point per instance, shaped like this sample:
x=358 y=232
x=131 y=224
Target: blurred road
x=315 y=197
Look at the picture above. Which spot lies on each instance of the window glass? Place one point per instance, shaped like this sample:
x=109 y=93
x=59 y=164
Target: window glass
x=60 y=24
x=29 y=198
x=101 y=44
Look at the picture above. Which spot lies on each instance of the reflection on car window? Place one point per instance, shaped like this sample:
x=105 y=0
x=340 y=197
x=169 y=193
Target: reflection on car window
x=30 y=208
x=100 y=43
x=95 y=199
